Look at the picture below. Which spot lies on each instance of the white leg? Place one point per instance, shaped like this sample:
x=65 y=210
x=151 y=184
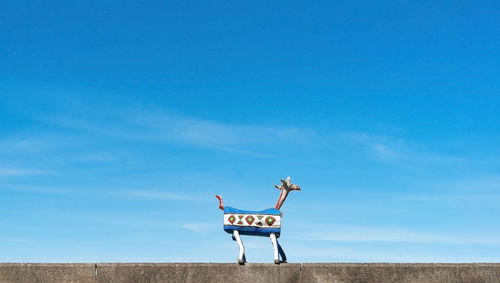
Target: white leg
x=241 y=256
x=275 y=248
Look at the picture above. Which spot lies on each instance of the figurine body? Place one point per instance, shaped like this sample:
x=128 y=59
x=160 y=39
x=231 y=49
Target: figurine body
x=266 y=223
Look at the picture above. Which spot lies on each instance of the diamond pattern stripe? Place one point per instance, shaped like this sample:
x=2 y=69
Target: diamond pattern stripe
x=249 y=220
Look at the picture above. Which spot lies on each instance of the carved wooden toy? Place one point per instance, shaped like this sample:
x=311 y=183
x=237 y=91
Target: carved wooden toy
x=265 y=223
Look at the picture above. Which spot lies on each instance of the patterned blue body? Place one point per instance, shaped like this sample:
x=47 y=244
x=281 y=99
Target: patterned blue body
x=253 y=230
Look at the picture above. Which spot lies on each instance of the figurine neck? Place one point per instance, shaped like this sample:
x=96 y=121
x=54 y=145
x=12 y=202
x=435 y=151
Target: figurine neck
x=281 y=199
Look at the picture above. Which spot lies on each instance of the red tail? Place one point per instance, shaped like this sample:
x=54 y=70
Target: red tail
x=221 y=205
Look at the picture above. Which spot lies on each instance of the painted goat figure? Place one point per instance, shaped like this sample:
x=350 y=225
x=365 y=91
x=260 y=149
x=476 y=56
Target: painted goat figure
x=266 y=223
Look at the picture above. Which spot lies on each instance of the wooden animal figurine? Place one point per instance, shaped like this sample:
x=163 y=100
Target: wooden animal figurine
x=265 y=223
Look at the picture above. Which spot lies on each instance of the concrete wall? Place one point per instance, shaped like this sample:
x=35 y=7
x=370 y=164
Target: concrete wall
x=232 y=272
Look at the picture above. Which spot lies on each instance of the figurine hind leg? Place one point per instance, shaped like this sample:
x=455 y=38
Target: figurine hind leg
x=272 y=236
x=241 y=255
x=281 y=252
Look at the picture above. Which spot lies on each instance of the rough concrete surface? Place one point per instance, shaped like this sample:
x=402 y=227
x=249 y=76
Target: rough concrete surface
x=232 y=272
x=46 y=272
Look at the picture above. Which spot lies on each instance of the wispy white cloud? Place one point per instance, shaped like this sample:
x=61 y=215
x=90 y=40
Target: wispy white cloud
x=97 y=157
x=344 y=233
x=303 y=252
x=385 y=148
x=480 y=183
x=214 y=133
x=157 y=125
x=21 y=145
x=22 y=172
x=17 y=240
x=198 y=227
x=483 y=188
x=455 y=197
x=383 y=151
x=31 y=142
x=41 y=189
x=161 y=195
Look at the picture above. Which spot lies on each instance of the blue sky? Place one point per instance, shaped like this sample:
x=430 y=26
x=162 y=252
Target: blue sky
x=120 y=122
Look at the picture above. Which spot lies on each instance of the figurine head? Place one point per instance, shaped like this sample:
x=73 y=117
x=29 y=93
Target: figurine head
x=285 y=188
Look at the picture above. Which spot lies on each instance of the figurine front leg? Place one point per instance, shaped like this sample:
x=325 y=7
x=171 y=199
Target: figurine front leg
x=275 y=248
x=241 y=255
